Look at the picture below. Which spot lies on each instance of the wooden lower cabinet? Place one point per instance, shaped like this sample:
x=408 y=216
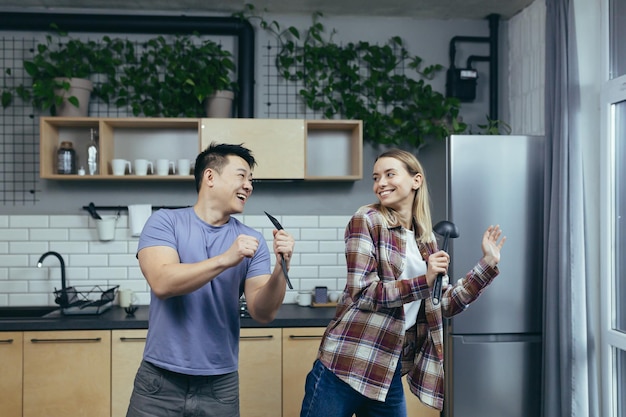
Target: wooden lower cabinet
x=126 y=354
x=300 y=346
x=67 y=373
x=11 y=345
x=91 y=373
x=260 y=372
x=414 y=407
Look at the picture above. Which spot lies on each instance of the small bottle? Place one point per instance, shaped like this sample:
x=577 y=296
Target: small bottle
x=66 y=158
x=92 y=154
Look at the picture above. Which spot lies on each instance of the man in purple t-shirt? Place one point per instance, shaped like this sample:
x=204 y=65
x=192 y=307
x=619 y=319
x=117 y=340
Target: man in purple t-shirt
x=198 y=261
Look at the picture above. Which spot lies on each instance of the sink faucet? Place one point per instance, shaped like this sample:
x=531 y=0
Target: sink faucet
x=62 y=299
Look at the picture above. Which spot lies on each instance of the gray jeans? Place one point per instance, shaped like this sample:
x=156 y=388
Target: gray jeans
x=161 y=393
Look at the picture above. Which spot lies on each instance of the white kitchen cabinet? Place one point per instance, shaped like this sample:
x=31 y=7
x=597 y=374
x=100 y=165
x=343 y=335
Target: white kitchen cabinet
x=11 y=345
x=67 y=373
x=260 y=372
x=126 y=353
x=285 y=149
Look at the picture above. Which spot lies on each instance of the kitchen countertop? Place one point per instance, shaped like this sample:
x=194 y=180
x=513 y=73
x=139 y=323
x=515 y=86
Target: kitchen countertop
x=289 y=315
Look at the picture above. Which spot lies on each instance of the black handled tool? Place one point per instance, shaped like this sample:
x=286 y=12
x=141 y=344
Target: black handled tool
x=278 y=226
x=447 y=230
x=91 y=208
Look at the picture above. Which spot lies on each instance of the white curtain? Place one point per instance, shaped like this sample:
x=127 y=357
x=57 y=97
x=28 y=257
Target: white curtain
x=570 y=379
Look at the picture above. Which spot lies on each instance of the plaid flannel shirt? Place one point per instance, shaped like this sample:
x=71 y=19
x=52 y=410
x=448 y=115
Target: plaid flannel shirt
x=363 y=343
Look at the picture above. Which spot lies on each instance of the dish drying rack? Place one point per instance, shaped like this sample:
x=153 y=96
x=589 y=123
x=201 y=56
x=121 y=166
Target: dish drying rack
x=85 y=300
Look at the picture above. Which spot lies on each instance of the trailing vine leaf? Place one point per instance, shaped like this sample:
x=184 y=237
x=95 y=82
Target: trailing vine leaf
x=494 y=127
x=383 y=85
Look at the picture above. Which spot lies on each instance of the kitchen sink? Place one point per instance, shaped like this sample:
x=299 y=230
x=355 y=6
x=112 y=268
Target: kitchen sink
x=28 y=312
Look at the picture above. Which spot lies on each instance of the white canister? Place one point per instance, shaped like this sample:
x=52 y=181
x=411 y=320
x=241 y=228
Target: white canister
x=106 y=228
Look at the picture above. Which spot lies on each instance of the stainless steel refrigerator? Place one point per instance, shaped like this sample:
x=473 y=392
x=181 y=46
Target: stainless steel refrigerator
x=493 y=349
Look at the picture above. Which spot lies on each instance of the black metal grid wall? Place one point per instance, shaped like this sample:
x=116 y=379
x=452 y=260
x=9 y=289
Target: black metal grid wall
x=19 y=129
x=280 y=98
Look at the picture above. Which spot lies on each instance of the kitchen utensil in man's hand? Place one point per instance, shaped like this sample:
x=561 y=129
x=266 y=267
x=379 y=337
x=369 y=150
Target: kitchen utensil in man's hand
x=283 y=264
x=447 y=230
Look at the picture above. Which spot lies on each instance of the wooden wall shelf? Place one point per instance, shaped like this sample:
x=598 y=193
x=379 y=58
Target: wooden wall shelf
x=285 y=149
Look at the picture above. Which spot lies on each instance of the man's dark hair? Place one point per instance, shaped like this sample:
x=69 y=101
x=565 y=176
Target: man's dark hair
x=215 y=156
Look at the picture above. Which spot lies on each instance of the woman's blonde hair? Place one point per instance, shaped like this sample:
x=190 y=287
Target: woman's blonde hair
x=421 y=201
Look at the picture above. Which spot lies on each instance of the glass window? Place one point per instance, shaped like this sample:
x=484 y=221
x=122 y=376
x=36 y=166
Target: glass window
x=617 y=38
x=620 y=382
x=619 y=293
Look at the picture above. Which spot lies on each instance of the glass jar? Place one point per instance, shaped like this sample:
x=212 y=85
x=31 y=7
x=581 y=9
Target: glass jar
x=66 y=158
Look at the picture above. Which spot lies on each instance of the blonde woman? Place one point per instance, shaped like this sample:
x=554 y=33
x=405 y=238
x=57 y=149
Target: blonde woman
x=386 y=325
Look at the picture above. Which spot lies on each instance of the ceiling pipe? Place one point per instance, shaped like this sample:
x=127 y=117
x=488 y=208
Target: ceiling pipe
x=494 y=20
x=492 y=58
x=105 y=23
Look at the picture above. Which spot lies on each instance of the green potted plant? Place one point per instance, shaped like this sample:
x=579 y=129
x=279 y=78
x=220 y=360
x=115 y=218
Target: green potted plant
x=383 y=85
x=192 y=69
x=60 y=69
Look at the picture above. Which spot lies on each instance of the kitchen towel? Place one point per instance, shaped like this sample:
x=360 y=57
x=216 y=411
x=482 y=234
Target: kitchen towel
x=137 y=216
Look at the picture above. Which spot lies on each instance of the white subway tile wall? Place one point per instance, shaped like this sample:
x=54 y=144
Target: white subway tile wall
x=318 y=258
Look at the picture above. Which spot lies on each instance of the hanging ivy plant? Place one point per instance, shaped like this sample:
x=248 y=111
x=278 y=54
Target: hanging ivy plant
x=383 y=85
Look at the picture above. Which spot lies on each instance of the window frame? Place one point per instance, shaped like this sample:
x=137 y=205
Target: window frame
x=613 y=92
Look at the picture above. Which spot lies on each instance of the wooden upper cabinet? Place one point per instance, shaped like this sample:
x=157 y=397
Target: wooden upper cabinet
x=277 y=145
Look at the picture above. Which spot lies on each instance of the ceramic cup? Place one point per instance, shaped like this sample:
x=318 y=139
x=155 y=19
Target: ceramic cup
x=163 y=166
x=106 y=227
x=183 y=166
x=333 y=296
x=126 y=298
x=304 y=299
x=119 y=166
x=141 y=167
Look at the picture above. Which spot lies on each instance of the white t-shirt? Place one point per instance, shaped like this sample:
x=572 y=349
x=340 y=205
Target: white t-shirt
x=415 y=266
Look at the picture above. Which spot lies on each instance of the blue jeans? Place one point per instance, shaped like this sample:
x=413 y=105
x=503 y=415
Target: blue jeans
x=161 y=393
x=325 y=395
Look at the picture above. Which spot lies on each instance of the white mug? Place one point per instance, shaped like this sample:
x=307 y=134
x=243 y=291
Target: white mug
x=163 y=166
x=119 y=166
x=183 y=166
x=126 y=298
x=304 y=298
x=141 y=167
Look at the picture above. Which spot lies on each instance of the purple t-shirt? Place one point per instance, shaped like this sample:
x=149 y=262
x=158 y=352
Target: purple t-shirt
x=198 y=333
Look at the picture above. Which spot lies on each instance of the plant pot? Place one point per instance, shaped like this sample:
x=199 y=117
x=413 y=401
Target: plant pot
x=79 y=88
x=220 y=104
